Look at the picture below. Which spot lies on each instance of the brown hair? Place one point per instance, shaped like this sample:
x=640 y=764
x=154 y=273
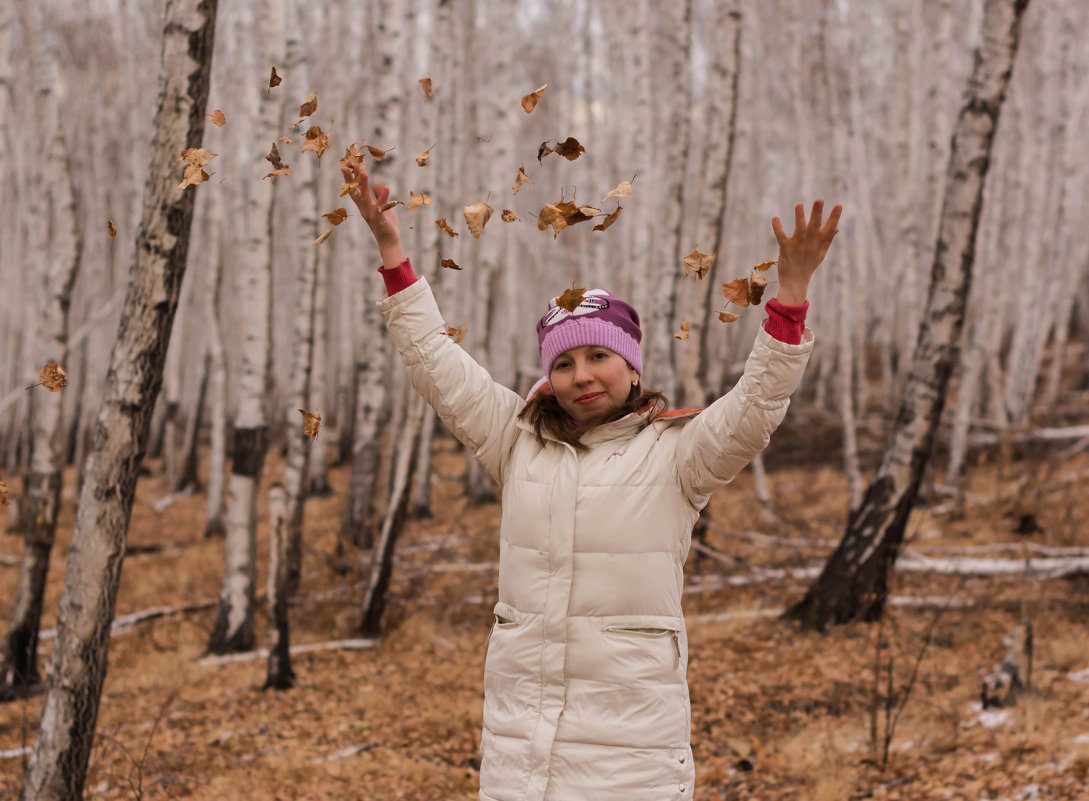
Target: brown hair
x=545 y=414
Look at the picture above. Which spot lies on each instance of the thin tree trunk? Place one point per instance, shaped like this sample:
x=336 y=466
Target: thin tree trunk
x=855 y=580
x=187 y=476
x=58 y=764
x=217 y=381
x=280 y=676
x=421 y=486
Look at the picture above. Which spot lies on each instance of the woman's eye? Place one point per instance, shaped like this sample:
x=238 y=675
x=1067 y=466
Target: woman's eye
x=600 y=355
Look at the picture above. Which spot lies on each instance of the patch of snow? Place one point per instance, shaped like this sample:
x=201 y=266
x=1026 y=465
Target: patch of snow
x=15 y=753
x=1079 y=675
x=991 y=757
x=988 y=718
x=1081 y=738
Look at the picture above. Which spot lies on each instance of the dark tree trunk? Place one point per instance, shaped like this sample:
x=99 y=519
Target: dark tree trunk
x=855 y=581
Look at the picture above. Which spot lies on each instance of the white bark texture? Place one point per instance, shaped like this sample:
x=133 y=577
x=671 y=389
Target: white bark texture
x=58 y=765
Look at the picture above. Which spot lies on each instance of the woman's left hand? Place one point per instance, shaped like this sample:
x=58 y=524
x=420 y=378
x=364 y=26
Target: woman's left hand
x=802 y=253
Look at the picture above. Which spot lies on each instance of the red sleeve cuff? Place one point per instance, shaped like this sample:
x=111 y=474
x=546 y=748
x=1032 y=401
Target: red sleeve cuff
x=786 y=323
x=397 y=278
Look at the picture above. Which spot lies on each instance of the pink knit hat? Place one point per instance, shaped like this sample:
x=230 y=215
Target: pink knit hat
x=600 y=319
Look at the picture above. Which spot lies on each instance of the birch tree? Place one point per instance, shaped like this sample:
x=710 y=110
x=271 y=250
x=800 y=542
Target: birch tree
x=58 y=763
x=855 y=581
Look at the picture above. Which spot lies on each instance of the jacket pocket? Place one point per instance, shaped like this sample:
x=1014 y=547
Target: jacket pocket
x=646 y=627
x=506 y=616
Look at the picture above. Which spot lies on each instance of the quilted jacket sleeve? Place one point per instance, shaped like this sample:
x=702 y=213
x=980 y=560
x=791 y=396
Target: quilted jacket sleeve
x=727 y=435
x=480 y=412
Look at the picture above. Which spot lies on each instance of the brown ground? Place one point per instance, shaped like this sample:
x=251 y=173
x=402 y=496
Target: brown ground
x=777 y=714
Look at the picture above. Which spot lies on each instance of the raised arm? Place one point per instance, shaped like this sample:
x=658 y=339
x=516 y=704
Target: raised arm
x=385 y=226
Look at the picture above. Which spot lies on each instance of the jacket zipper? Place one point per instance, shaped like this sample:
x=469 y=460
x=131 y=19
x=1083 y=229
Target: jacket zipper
x=677 y=645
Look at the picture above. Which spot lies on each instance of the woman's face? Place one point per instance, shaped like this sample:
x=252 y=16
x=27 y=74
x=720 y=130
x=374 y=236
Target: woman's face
x=590 y=382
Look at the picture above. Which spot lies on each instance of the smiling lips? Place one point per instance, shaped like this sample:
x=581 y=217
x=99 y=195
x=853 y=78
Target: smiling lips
x=588 y=397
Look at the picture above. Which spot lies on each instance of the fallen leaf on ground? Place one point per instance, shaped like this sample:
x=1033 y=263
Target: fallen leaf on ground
x=415 y=201
x=508 y=216
x=217 y=117
x=323 y=236
x=529 y=102
x=274 y=79
x=684 y=333
x=571 y=298
x=311 y=423
x=309 y=106
x=449 y=264
x=521 y=178
x=337 y=216
x=699 y=263
x=425 y=84
x=476 y=217
x=445 y=227
x=609 y=219
x=457 y=334
x=111 y=229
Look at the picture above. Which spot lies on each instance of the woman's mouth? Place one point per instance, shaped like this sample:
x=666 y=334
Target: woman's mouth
x=589 y=397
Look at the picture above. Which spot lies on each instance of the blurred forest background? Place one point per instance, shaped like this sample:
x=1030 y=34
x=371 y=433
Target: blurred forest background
x=720 y=114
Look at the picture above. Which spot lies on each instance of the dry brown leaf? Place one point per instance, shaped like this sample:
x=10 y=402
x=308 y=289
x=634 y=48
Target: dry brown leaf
x=111 y=229
x=378 y=152
x=521 y=178
x=351 y=157
x=757 y=284
x=389 y=204
x=699 y=263
x=737 y=291
x=311 y=423
x=554 y=216
x=425 y=84
x=529 y=102
x=415 y=201
x=323 y=236
x=477 y=216
x=286 y=140
x=543 y=151
x=569 y=148
x=623 y=189
x=53 y=377
x=445 y=227
x=728 y=317
x=508 y=216
x=685 y=331
x=457 y=334
x=310 y=106
x=571 y=298
x=316 y=140
x=197 y=156
x=337 y=216
x=348 y=186
x=423 y=159
x=279 y=168
x=193 y=175
x=217 y=117
x=285 y=170
x=4 y=502
x=449 y=264
x=274 y=79
x=609 y=219
x=764 y=266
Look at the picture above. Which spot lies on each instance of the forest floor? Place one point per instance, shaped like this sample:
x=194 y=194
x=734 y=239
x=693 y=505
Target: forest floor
x=777 y=714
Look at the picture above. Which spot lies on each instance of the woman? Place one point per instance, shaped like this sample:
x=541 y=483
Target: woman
x=585 y=695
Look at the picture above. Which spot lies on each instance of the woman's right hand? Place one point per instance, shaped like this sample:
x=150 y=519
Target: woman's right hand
x=384 y=225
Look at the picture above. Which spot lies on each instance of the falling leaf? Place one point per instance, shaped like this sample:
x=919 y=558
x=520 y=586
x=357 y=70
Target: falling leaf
x=4 y=502
x=445 y=227
x=571 y=298
x=347 y=187
x=623 y=189
x=310 y=106
x=425 y=84
x=197 y=156
x=415 y=201
x=521 y=178
x=193 y=175
x=757 y=285
x=508 y=216
x=449 y=264
x=286 y=140
x=274 y=80
x=764 y=266
x=552 y=215
x=279 y=168
x=685 y=331
x=543 y=151
x=352 y=157
x=529 y=102
x=323 y=236
x=609 y=219
x=378 y=152
x=311 y=423
x=337 y=216
x=699 y=263
x=728 y=317
x=389 y=204
x=316 y=140
x=737 y=292
x=423 y=158
x=111 y=229
x=53 y=377
x=457 y=334
x=477 y=216
x=285 y=170
x=570 y=148
x=217 y=117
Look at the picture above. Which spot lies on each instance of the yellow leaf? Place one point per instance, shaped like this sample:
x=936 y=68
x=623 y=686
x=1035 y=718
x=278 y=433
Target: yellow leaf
x=529 y=102
x=311 y=423
x=323 y=236
x=764 y=266
x=347 y=186
x=217 y=117
x=477 y=216
x=685 y=331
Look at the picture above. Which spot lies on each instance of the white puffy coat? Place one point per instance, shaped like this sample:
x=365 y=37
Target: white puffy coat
x=585 y=697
